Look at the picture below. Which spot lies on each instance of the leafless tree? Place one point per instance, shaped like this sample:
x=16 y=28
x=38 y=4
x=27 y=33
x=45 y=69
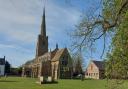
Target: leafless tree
x=95 y=27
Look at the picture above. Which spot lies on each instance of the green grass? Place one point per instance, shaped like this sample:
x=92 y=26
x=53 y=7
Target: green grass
x=29 y=83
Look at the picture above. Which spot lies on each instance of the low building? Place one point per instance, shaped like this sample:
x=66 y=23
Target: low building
x=2 y=66
x=58 y=67
x=95 y=70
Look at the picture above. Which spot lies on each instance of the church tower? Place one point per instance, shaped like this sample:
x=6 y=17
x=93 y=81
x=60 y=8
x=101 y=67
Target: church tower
x=42 y=43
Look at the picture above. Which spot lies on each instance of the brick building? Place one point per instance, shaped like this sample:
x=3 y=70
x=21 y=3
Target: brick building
x=95 y=70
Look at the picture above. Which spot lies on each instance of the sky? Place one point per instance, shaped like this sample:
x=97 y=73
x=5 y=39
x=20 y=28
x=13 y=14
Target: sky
x=20 y=22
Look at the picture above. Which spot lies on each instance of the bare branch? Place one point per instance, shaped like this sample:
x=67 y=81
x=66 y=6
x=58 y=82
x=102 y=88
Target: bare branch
x=103 y=46
x=93 y=28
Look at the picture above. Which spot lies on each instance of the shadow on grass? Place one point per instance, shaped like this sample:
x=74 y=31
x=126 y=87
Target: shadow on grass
x=55 y=82
x=7 y=81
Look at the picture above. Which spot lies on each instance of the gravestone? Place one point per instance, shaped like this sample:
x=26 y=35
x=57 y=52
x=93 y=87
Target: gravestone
x=49 y=79
x=41 y=79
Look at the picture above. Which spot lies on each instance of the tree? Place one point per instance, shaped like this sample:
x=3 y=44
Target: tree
x=118 y=58
x=111 y=22
x=7 y=67
x=78 y=63
x=100 y=26
x=19 y=69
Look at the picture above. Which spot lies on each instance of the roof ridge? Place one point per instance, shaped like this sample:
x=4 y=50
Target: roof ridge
x=58 y=54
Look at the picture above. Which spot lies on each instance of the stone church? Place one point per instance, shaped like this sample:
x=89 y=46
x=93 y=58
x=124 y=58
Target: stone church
x=56 y=63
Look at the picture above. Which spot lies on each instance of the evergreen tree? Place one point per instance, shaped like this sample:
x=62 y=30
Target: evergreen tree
x=7 y=67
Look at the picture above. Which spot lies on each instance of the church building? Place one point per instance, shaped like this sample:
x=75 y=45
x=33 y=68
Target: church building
x=56 y=63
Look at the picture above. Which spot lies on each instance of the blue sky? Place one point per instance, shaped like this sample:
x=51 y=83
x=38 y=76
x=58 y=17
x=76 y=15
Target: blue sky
x=20 y=25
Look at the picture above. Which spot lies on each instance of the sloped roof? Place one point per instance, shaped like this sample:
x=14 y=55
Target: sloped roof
x=2 y=61
x=44 y=55
x=99 y=64
x=58 y=54
x=29 y=62
x=56 y=57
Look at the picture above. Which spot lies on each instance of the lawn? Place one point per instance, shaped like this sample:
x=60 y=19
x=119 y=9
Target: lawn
x=30 y=83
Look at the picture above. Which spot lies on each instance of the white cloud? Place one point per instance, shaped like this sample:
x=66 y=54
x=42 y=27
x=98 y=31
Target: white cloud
x=15 y=14
x=14 y=47
x=7 y=15
x=6 y=46
x=58 y=19
x=20 y=21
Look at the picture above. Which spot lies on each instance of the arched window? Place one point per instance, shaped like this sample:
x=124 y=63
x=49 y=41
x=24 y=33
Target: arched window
x=64 y=61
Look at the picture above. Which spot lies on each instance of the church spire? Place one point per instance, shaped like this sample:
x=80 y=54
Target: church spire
x=43 y=25
x=42 y=43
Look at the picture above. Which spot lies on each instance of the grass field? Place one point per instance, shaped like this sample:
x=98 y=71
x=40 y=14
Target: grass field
x=29 y=83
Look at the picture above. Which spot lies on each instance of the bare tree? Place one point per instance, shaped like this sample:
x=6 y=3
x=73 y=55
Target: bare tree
x=95 y=27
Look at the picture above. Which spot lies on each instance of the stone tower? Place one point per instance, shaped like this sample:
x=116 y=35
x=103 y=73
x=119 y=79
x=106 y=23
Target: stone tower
x=42 y=43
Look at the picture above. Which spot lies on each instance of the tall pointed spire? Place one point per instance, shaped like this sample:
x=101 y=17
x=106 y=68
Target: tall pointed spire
x=42 y=43
x=43 y=25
